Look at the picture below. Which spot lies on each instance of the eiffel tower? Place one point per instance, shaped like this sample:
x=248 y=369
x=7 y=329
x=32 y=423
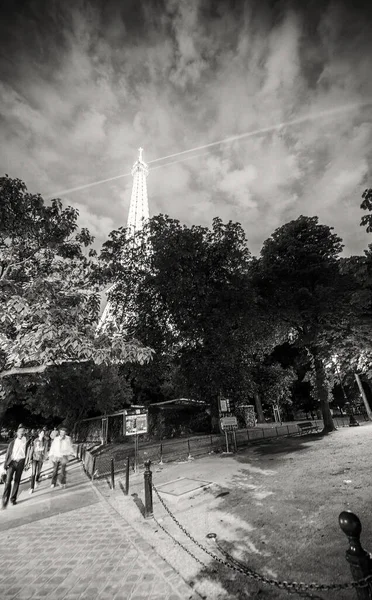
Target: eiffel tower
x=137 y=217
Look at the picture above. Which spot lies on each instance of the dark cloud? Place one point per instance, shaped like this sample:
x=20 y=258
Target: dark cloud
x=83 y=84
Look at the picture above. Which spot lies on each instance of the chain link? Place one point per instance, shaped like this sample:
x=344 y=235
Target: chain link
x=181 y=545
x=235 y=565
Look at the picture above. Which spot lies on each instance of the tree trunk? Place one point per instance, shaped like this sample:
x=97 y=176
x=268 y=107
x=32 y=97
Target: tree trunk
x=364 y=397
x=4 y=403
x=215 y=417
x=322 y=391
x=257 y=401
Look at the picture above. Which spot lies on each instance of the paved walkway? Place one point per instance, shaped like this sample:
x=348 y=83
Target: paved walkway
x=71 y=544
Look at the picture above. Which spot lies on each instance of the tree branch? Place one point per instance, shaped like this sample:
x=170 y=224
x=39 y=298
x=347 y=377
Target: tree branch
x=13 y=265
x=37 y=368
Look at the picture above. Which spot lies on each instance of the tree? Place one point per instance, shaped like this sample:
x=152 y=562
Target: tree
x=301 y=285
x=186 y=292
x=273 y=385
x=366 y=220
x=49 y=300
x=78 y=390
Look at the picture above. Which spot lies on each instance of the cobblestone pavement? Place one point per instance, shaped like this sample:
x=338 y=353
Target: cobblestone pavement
x=88 y=553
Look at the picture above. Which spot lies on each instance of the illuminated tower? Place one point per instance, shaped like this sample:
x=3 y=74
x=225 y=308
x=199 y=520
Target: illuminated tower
x=137 y=216
x=139 y=204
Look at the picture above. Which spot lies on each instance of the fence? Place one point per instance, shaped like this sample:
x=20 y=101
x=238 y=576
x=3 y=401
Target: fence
x=191 y=447
x=97 y=463
x=97 y=458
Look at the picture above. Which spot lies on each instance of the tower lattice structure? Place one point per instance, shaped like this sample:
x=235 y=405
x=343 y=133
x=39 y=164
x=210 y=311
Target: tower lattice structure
x=137 y=216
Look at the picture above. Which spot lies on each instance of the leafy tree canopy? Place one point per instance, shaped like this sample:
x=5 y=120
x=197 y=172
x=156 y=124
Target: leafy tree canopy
x=49 y=301
x=301 y=284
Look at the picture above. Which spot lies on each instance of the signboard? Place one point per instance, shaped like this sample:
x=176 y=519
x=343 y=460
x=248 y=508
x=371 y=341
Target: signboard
x=224 y=405
x=229 y=423
x=135 y=422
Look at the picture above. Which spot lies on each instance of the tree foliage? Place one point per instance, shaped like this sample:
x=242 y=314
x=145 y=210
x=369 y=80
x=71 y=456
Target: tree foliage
x=187 y=292
x=49 y=301
x=301 y=284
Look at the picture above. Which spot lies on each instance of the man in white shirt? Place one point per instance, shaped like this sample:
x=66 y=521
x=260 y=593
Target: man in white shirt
x=14 y=463
x=60 y=452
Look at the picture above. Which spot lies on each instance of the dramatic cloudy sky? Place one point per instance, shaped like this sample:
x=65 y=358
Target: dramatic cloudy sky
x=84 y=84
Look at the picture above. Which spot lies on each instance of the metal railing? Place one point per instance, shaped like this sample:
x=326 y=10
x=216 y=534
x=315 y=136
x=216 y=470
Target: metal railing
x=97 y=458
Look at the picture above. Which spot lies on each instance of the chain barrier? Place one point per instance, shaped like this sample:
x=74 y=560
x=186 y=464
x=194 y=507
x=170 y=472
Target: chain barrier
x=181 y=545
x=235 y=565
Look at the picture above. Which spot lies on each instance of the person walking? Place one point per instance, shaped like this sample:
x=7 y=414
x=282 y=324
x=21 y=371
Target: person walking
x=15 y=458
x=38 y=453
x=54 y=433
x=47 y=438
x=52 y=436
x=60 y=452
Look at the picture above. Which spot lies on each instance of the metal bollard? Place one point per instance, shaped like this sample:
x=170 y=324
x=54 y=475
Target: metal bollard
x=359 y=560
x=189 y=457
x=126 y=488
x=148 y=490
x=112 y=474
x=94 y=468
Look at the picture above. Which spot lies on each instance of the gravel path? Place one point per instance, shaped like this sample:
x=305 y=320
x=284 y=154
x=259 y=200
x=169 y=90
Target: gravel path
x=275 y=506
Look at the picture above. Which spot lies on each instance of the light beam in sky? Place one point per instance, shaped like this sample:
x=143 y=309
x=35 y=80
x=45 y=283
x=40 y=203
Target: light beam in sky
x=234 y=138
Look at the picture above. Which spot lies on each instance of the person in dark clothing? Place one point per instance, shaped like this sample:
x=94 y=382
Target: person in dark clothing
x=15 y=458
x=37 y=455
x=33 y=434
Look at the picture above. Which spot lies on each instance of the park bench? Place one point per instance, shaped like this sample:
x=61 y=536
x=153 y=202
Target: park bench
x=307 y=427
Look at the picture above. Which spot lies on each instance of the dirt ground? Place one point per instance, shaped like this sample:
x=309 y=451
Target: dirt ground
x=275 y=506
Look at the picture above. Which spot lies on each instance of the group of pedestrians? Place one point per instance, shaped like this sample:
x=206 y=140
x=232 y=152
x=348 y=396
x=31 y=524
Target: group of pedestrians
x=31 y=450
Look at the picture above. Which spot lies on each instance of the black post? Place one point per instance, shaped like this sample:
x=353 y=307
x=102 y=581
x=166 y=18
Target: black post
x=359 y=560
x=148 y=490
x=126 y=489
x=112 y=474
x=94 y=467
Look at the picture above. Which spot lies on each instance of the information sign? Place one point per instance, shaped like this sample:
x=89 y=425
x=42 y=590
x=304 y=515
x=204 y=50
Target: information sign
x=224 y=405
x=229 y=423
x=136 y=424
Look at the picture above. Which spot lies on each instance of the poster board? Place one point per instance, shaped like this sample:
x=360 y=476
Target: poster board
x=135 y=422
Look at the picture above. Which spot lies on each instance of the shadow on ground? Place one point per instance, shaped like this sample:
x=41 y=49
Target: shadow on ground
x=286 y=529
x=240 y=586
x=138 y=502
x=283 y=445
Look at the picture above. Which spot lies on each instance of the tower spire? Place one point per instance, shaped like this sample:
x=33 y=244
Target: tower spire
x=139 y=204
x=137 y=216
